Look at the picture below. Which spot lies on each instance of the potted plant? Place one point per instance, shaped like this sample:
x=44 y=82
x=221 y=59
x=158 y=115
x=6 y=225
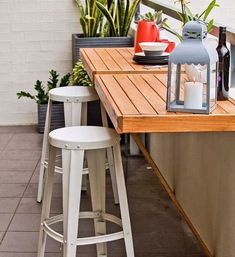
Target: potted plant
x=41 y=98
x=100 y=33
x=187 y=15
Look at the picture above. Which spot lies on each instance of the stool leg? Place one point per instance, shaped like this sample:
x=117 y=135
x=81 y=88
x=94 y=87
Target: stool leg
x=72 y=163
x=110 y=158
x=96 y=166
x=44 y=152
x=47 y=199
x=123 y=201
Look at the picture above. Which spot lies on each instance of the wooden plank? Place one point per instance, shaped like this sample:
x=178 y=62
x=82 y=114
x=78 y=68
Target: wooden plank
x=107 y=101
x=118 y=58
x=129 y=58
x=111 y=64
x=151 y=96
x=178 y=123
x=170 y=193
x=228 y=106
x=119 y=97
x=87 y=63
x=135 y=96
x=95 y=59
x=156 y=85
x=219 y=110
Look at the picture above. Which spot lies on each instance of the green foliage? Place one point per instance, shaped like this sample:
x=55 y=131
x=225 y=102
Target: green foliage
x=156 y=17
x=79 y=76
x=187 y=15
x=119 y=15
x=90 y=17
x=41 y=97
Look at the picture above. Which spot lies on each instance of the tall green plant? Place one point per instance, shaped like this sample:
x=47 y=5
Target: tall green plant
x=90 y=17
x=119 y=14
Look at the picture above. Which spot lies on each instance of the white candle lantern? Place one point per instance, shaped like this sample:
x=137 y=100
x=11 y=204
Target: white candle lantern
x=199 y=94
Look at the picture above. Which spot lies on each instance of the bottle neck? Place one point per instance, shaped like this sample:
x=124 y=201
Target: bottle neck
x=222 y=37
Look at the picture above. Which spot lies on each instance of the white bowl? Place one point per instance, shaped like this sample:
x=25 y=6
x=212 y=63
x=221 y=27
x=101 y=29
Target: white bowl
x=153 y=46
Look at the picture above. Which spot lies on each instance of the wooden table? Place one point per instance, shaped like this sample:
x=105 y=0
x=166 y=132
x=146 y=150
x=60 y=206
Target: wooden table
x=113 y=60
x=135 y=99
x=137 y=103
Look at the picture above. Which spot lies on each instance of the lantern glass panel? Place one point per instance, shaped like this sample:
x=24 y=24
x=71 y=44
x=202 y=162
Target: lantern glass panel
x=177 y=82
x=213 y=84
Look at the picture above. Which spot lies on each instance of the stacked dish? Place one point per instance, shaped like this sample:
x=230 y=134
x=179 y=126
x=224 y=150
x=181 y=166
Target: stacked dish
x=153 y=53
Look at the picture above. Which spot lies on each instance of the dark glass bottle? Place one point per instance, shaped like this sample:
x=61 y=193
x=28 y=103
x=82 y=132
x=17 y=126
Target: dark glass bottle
x=224 y=65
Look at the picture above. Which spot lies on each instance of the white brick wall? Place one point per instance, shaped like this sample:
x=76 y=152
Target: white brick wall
x=35 y=36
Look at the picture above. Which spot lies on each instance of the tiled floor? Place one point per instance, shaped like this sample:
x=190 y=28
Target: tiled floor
x=158 y=230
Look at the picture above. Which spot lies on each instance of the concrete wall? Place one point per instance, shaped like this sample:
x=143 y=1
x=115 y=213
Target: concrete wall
x=35 y=36
x=199 y=167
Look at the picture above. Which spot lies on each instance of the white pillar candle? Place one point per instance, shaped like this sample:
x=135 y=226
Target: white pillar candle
x=193 y=95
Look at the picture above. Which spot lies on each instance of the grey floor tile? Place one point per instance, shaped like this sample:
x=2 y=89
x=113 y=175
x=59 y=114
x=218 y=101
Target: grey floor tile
x=12 y=190
x=156 y=242
x=18 y=165
x=32 y=190
x=20 y=155
x=30 y=205
x=7 y=254
x=5 y=219
x=25 y=242
x=35 y=177
x=15 y=176
x=25 y=222
x=18 y=129
x=25 y=141
x=8 y=205
x=162 y=223
x=1 y=236
x=143 y=191
x=4 y=139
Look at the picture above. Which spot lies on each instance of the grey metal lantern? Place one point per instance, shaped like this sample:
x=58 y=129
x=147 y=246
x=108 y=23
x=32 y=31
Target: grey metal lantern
x=192 y=72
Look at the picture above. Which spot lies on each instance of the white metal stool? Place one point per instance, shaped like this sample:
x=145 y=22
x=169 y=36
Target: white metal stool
x=75 y=99
x=74 y=142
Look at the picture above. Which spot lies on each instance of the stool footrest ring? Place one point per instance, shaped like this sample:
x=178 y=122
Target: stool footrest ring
x=85 y=240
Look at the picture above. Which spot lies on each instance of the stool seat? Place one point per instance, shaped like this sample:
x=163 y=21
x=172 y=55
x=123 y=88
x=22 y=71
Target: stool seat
x=84 y=137
x=71 y=94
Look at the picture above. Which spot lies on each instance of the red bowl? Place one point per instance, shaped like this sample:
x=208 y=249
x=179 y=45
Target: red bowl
x=171 y=45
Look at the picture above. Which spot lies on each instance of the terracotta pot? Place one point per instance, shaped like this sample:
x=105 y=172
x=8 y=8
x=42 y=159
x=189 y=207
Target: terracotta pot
x=147 y=31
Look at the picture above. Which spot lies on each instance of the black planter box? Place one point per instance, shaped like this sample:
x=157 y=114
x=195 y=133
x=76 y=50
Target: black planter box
x=57 y=116
x=78 y=41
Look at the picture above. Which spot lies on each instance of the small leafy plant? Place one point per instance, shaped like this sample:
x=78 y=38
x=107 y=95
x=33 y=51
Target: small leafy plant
x=41 y=97
x=156 y=17
x=79 y=76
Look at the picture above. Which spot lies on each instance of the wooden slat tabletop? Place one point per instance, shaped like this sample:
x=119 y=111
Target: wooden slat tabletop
x=136 y=103
x=113 y=60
